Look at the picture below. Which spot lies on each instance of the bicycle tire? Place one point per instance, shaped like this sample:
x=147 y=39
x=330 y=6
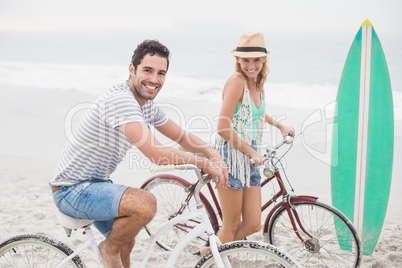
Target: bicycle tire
x=319 y=220
x=35 y=251
x=170 y=192
x=249 y=254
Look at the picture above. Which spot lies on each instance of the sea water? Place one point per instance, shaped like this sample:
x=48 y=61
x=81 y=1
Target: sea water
x=91 y=62
x=305 y=69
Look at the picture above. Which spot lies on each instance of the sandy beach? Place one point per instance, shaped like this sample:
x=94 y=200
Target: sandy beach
x=34 y=133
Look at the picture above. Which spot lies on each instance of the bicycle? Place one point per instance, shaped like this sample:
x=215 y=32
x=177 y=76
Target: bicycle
x=301 y=225
x=41 y=251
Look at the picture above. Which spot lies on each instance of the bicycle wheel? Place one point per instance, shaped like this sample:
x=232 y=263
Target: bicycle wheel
x=330 y=246
x=35 y=251
x=171 y=193
x=248 y=254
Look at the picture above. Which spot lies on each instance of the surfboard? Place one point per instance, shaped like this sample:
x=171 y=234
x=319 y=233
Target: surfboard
x=363 y=138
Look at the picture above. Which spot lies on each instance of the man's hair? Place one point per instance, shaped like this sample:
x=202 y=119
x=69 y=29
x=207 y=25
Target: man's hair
x=150 y=47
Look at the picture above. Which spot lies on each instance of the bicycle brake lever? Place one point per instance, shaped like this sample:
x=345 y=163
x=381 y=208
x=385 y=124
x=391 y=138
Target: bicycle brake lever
x=207 y=178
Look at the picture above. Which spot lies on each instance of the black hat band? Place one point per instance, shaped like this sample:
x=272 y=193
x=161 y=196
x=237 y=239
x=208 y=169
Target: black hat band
x=251 y=49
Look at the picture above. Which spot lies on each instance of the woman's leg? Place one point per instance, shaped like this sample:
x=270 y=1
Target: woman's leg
x=251 y=212
x=231 y=201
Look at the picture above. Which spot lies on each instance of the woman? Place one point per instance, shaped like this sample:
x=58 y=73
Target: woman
x=240 y=126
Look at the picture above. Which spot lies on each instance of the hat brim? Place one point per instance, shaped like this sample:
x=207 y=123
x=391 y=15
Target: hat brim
x=255 y=54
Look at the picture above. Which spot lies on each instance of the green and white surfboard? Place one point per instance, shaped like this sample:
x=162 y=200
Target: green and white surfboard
x=363 y=138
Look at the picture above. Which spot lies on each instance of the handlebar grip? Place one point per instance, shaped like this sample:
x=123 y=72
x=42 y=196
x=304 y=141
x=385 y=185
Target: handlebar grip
x=288 y=139
x=161 y=168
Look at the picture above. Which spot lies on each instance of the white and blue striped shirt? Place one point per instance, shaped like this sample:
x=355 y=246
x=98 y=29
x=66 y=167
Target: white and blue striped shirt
x=98 y=144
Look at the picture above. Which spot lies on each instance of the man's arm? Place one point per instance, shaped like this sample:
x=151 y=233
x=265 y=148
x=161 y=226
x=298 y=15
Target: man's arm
x=187 y=141
x=193 y=144
x=140 y=135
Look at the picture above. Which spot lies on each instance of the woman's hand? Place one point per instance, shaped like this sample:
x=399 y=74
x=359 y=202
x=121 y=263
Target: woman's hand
x=286 y=130
x=257 y=159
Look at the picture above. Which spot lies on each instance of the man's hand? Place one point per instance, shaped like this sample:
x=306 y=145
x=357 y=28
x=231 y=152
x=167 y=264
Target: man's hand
x=217 y=168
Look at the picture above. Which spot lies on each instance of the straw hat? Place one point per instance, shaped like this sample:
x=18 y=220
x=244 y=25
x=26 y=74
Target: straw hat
x=251 y=45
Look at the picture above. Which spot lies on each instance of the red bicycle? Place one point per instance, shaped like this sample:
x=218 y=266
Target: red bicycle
x=314 y=233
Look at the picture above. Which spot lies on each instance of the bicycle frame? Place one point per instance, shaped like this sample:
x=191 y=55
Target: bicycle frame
x=91 y=242
x=191 y=187
x=204 y=226
x=287 y=200
x=290 y=218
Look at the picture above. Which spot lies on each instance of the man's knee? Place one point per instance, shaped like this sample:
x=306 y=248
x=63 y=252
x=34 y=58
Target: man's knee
x=137 y=202
x=150 y=205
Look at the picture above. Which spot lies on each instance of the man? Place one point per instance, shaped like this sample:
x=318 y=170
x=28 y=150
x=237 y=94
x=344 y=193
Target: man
x=117 y=121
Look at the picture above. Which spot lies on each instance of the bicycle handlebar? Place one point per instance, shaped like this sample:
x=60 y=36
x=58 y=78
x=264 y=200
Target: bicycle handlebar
x=269 y=166
x=206 y=178
x=162 y=168
x=286 y=140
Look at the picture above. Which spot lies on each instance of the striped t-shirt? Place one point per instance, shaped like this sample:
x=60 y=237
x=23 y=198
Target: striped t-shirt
x=98 y=144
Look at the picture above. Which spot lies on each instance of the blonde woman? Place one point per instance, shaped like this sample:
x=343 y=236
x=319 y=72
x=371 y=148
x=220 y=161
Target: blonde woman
x=240 y=125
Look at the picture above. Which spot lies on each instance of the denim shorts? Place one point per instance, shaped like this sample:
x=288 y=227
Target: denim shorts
x=255 y=177
x=96 y=200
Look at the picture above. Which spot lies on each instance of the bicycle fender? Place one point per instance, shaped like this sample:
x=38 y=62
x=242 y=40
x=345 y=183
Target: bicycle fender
x=166 y=176
x=280 y=204
x=303 y=198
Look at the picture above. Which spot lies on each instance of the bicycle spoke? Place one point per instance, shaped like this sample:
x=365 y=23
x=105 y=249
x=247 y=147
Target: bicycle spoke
x=171 y=195
x=246 y=254
x=31 y=251
x=330 y=234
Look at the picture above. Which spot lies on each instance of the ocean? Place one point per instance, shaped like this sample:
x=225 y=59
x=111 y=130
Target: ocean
x=304 y=68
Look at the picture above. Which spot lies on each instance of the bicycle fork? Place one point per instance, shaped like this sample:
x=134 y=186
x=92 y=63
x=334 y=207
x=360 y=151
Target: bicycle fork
x=310 y=243
x=294 y=218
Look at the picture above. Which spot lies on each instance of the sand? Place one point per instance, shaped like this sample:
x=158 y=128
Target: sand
x=33 y=134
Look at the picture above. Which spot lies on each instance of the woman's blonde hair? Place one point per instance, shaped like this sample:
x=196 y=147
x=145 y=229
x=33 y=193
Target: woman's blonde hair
x=261 y=78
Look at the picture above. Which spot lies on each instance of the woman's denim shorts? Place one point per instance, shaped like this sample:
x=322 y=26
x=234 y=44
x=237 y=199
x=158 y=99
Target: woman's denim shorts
x=255 y=177
x=96 y=200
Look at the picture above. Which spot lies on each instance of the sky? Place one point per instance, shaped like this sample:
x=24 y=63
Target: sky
x=205 y=17
x=44 y=26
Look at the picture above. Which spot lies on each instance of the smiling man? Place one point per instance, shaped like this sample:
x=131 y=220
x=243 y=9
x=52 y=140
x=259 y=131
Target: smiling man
x=118 y=120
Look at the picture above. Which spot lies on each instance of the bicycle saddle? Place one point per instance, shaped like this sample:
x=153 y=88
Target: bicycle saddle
x=70 y=223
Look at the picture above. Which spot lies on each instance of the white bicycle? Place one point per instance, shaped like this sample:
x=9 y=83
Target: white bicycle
x=40 y=251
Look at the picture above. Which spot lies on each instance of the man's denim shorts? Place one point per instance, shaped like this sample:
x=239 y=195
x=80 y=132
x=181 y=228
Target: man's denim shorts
x=255 y=177
x=96 y=200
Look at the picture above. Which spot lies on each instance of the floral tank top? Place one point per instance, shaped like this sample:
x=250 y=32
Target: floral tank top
x=242 y=123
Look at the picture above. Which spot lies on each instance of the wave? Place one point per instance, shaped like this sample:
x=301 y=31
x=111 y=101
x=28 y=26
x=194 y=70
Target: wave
x=95 y=79
x=91 y=79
